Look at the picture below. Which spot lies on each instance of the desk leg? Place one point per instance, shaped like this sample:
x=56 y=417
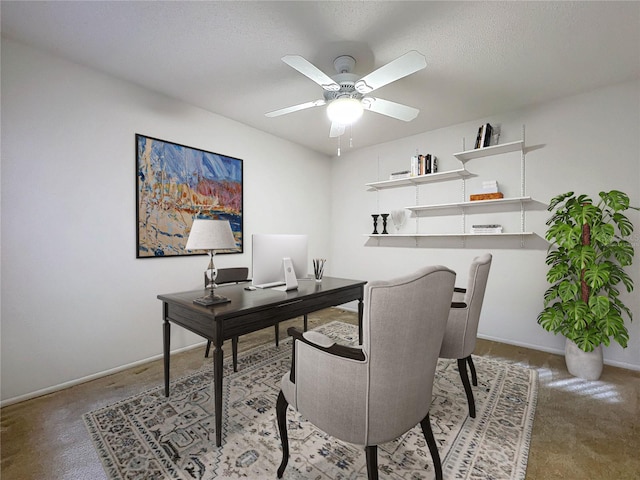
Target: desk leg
x=360 y=311
x=217 y=382
x=166 y=337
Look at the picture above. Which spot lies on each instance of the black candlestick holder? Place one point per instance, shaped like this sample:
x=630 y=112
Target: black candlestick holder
x=384 y=223
x=375 y=223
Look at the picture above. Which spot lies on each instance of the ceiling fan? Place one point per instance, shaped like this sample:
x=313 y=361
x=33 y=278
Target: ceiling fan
x=346 y=95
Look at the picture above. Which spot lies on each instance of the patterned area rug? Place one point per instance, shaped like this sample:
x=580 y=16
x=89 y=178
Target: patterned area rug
x=151 y=437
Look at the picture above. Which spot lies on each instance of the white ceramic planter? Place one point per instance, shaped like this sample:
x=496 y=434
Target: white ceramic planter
x=587 y=365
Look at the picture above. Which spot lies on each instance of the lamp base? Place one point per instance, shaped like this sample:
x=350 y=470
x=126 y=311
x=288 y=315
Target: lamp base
x=209 y=300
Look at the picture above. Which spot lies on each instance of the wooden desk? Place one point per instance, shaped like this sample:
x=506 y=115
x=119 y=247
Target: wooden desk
x=248 y=312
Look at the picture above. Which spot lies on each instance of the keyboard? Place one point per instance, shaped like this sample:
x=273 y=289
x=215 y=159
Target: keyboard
x=269 y=285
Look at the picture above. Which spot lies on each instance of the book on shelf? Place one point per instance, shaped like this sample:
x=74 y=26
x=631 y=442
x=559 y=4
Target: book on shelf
x=399 y=175
x=483 y=139
x=423 y=165
x=489 y=228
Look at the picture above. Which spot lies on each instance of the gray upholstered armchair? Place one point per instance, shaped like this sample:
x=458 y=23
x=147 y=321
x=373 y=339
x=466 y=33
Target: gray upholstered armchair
x=374 y=393
x=462 y=327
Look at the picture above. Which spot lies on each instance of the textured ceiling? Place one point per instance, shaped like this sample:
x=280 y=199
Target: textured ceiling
x=483 y=58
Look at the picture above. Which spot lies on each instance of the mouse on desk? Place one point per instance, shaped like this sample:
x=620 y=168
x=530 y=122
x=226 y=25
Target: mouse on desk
x=250 y=287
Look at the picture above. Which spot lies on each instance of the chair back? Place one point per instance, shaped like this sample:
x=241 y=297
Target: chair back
x=231 y=275
x=474 y=296
x=404 y=321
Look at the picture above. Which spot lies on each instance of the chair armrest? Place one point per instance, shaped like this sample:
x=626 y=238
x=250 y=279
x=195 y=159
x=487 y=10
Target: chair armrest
x=333 y=349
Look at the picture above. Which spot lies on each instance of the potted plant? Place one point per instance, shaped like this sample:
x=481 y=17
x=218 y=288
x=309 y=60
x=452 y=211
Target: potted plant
x=587 y=259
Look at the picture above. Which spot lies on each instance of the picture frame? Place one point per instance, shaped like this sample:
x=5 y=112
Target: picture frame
x=175 y=184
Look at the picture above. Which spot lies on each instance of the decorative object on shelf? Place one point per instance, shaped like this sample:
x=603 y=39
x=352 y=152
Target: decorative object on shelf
x=485 y=196
x=398 y=217
x=318 y=268
x=174 y=183
x=587 y=259
x=375 y=223
x=384 y=223
x=489 y=191
x=211 y=235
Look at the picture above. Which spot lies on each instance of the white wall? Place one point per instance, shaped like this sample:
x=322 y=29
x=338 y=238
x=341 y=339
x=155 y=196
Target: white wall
x=75 y=300
x=586 y=143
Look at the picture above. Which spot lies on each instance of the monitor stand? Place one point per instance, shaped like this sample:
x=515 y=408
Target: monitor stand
x=290 y=280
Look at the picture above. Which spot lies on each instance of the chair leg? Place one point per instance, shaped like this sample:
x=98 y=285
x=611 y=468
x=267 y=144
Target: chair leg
x=462 y=369
x=372 y=461
x=234 y=352
x=306 y=322
x=276 y=327
x=433 y=448
x=206 y=352
x=281 y=414
x=472 y=367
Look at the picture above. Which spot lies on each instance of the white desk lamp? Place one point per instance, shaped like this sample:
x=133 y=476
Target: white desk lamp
x=211 y=235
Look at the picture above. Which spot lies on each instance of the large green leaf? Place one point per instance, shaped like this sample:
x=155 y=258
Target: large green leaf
x=557 y=272
x=615 y=199
x=584 y=213
x=602 y=234
x=624 y=225
x=599 y=306
x=597 y=275
x=623 y=251
x=552 y=318
x=568 y=291
x=577 y=312
x=558 y=199
x=582 y=256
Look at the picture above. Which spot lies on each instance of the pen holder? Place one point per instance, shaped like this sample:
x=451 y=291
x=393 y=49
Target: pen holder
x=318 y=268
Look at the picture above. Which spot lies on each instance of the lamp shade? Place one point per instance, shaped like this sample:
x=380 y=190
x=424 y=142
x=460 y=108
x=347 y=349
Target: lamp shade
x=208 y=234
x=344 y=111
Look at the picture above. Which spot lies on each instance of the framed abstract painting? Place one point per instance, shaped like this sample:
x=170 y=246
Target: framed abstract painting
x=174 y=185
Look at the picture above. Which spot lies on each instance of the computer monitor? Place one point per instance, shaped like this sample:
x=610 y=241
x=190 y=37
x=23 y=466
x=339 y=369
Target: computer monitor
x=268 y=251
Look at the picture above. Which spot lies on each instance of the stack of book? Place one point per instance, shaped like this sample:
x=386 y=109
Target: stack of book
x=483 y=139
x=398 y=175
x=490 y=228
x=423 y=164
x=489 y=191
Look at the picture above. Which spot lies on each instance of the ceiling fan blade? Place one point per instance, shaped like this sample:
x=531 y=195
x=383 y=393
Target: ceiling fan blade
x=336 y=130
x=311 y=71
x=402 y=66
x=295 y=108
x=391 y=109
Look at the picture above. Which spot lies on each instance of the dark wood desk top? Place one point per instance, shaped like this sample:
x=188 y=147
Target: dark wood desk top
x=245 y=301
x=251 y=310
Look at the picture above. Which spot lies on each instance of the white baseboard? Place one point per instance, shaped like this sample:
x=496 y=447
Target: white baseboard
x=557 y=351
x=88 y=378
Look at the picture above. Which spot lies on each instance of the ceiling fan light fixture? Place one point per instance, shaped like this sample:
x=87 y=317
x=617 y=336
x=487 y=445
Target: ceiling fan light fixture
x=344 y=111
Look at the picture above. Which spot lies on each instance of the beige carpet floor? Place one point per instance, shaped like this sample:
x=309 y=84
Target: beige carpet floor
x=582 y=430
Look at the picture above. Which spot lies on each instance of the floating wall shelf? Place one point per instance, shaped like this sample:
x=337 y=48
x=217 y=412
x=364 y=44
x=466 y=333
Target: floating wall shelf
x=420 y=179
